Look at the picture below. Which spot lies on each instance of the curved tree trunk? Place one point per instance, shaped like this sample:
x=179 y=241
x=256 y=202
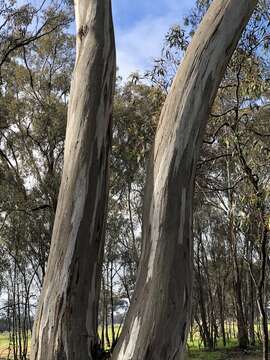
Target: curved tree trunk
x=158 y=320
x=66 y=321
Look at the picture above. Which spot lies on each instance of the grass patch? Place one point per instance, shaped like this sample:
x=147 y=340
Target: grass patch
x=224 y=354
x=195 y=349
x=205 y=355
x=4 y=345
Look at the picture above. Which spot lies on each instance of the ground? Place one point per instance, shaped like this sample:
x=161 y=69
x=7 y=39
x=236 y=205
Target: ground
x=4 y=341
x=229 y=354
x=194 y=354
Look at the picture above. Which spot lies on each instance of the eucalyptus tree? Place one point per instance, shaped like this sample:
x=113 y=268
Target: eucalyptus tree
x=243 y=91
x=35 y=85
x=163 y=289
x=22 y=23
x=66 y=322
x=33 y=94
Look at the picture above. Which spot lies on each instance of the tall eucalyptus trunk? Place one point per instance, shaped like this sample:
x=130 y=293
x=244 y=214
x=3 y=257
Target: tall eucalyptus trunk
x=158 y=320
x=66 y=320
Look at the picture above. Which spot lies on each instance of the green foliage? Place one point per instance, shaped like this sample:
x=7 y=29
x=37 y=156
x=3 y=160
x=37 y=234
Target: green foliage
x=34 y=92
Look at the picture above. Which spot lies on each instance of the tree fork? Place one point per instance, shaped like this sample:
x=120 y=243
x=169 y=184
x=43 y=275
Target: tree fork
x=66 y=320
x=158 y=320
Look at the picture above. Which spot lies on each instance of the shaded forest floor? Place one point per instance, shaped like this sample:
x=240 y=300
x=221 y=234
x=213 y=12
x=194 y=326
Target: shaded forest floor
x=224 y=354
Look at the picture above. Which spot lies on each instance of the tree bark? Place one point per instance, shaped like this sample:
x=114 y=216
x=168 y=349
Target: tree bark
x=221 y=304
x=158 y=320
x=208 y=339
x=262 y=284
x=66 y=321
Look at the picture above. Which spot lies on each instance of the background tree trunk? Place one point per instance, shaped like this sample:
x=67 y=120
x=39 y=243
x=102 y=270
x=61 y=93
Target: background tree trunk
x=66 y=321
x=158 y=320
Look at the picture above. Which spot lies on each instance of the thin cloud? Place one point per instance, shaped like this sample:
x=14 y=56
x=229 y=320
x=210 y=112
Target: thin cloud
x=139 y=42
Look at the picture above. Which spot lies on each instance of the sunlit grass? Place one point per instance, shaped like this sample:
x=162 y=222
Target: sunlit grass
x=6 y=347
x=195 y=349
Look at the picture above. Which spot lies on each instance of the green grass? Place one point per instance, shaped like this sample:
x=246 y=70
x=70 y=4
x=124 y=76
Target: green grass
x=4 y=344
x=195 y=349
x=197 y=352
x=205 y=355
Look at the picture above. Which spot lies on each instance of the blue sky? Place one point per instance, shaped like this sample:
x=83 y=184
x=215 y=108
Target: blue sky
x=140 y=27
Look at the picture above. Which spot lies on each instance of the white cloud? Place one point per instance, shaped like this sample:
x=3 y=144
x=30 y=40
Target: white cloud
x=138 y=44
x=141 y=43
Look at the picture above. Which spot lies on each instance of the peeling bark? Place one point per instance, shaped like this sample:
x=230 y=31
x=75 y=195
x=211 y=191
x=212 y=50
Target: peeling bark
x=158 y=320
x=66 y=321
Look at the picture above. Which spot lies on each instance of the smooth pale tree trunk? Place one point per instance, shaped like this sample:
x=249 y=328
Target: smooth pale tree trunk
x=158 y=320
x=66 y=321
